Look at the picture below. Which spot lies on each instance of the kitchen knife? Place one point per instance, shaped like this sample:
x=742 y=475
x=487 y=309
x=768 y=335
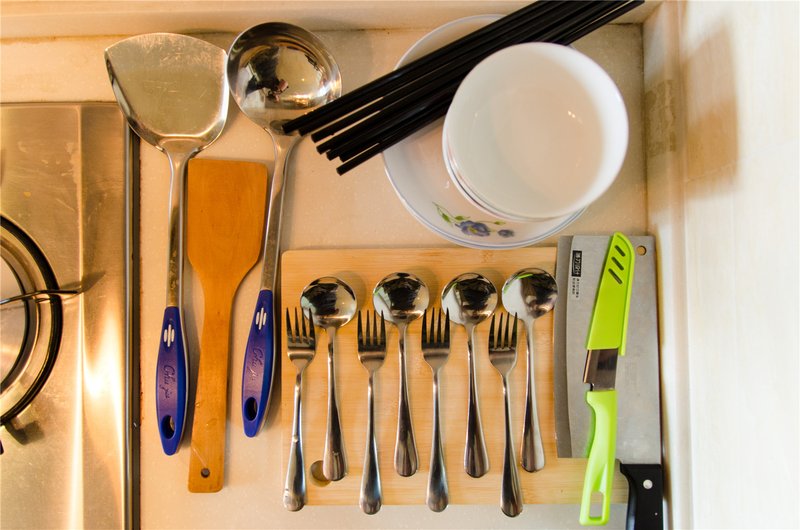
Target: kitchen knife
x=604 y=343
x=638 y=445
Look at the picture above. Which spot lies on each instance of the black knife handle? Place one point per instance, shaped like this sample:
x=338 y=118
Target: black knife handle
x=645 y=496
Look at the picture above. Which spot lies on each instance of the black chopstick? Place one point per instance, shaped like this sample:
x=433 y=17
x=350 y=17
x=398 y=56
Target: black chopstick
x=401 y=133
x=596 y=24
x=457 y=66
x=354 y=99
x=358 y=142
x=366 y=133
x=404 y=107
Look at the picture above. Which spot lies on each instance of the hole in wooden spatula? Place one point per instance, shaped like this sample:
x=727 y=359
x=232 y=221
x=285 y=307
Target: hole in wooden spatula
x=205 y=472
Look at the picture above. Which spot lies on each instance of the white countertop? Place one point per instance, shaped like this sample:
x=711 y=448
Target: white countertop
x=322 y=210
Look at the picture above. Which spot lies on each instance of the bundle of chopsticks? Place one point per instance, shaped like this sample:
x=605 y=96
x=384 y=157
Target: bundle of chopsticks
x=375 y=116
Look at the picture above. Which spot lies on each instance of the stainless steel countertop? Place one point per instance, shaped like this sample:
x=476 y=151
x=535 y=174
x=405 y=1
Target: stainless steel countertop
x=69 y=458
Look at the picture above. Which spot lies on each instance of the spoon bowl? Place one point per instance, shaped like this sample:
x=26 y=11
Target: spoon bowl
x=529 y=294
x=276 y=72
x=470 y=299
x=331 y=304
x=402 y=298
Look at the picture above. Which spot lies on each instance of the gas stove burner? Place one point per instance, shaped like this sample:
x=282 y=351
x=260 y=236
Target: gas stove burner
x=31 y=323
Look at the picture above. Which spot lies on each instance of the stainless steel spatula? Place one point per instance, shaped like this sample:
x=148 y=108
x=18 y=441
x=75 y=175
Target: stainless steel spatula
x=173 y=89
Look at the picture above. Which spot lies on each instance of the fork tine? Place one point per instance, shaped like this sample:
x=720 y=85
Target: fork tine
x=514 y=333
x=302 y=319
x=491 y=333
x=438 y=326
x=383 y=331
x=313 y=333
x=360 y=331
x=446 y=326
x=296 y=335
x=508 y=325
x=424 y=326
x=288 y=325
x=374 y=338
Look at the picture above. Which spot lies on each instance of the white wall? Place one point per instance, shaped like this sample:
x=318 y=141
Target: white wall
x=721 y=98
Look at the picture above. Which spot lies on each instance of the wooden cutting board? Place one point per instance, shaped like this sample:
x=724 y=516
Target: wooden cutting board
x=561 y=480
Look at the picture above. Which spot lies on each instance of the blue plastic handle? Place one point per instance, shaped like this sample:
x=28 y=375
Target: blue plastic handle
x=171 y=381
x=259 y=362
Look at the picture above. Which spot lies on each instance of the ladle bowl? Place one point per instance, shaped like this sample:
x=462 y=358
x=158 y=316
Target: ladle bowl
x=276 y=72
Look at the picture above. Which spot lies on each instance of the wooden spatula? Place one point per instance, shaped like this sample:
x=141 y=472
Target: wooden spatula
x=225 y=228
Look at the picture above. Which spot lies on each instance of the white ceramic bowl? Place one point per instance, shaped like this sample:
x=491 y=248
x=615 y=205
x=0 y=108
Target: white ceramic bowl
x=535 y=131
x=418 y=174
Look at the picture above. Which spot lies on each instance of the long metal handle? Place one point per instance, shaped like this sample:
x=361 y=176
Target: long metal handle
x=334 y=460
x=179 y=161
x=405 y=448
x=172 y=373
x=532 y=449
x=294 y=491
x=476 y=460
x=438 y=496
x=272 y=238
x=370 y=500
x=510 y=493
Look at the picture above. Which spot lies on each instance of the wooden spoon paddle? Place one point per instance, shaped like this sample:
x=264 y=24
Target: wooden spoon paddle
x=225 y=227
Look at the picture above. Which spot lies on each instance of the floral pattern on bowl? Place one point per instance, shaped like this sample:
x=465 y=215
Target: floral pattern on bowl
x=470 y=227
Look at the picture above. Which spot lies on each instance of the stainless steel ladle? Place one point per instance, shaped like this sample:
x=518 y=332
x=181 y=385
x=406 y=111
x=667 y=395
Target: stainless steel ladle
x=276 y=72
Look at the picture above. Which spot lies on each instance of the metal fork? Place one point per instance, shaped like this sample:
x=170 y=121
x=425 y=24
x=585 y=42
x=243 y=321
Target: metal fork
x=371 y=353
x=300 y=346
x=435 y=350
x=503 y=356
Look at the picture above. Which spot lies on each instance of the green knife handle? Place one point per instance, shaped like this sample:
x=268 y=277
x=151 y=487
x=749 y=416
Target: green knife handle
x=600 y=467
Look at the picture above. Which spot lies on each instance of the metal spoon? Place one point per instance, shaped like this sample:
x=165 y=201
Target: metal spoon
x=276 y=72
x=332 y=304
x=173 y=92
x=471 y=298
x=402 y=298
x=530 y=293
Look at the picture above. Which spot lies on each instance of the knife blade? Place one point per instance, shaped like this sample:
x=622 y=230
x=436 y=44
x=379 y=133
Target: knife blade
x=638 y=445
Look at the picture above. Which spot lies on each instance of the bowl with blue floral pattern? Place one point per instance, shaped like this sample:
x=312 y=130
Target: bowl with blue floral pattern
x=417 y=171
